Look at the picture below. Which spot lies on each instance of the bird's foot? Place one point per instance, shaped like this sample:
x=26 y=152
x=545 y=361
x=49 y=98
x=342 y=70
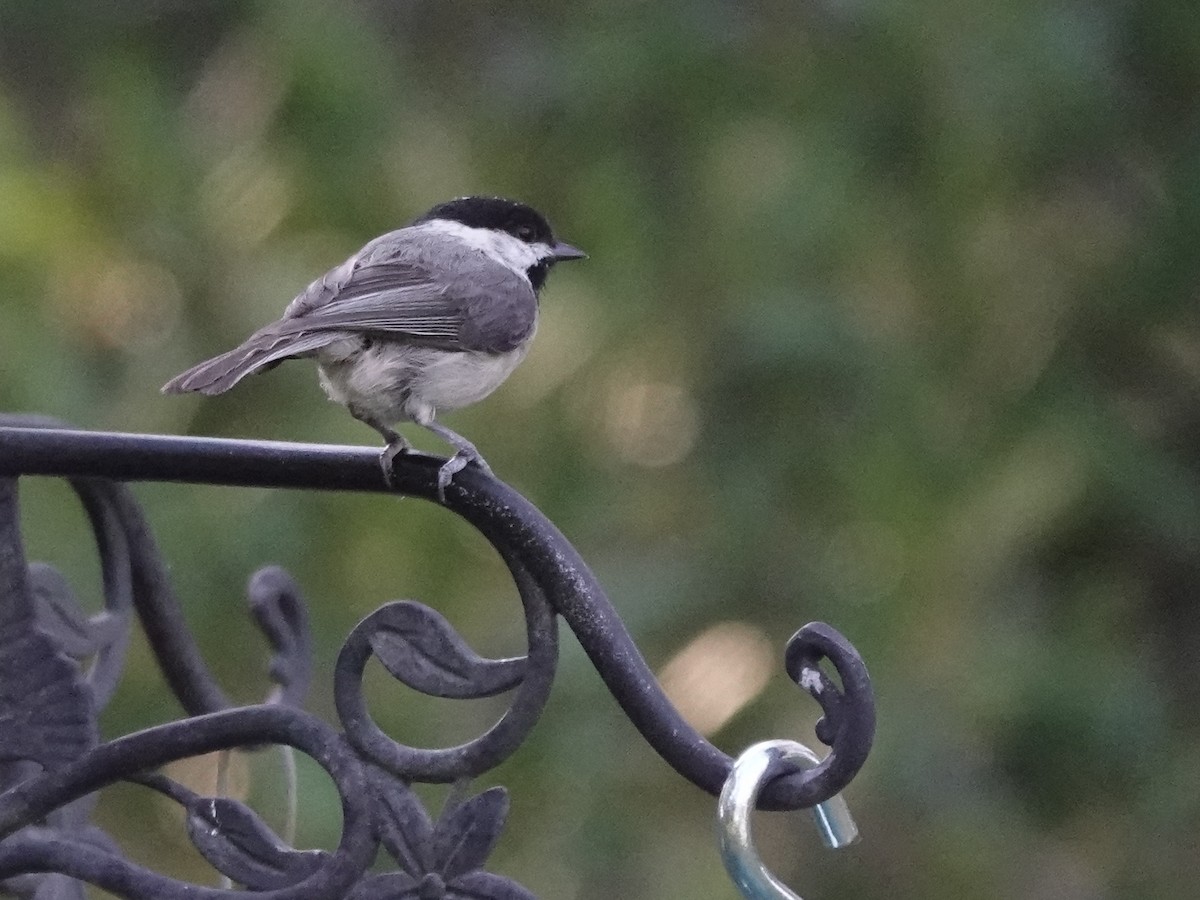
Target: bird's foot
x=455 y=464
x=464 y=452
x=387 y=459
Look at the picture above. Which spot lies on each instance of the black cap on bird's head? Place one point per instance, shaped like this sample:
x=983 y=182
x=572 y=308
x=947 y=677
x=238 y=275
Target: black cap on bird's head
x=510 y=216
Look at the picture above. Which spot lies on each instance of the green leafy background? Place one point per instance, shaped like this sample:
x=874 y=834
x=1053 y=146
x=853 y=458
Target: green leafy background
x=890 y=321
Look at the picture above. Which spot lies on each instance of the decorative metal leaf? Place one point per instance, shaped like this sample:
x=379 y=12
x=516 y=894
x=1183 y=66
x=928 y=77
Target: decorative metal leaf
x=58 y=612
x=405 y=829
x=465 y=837
x=44 y=705
x=486 y=886
x=46 y=709
x=59 y=615
x=388 y=886
x=420 y=648
x=471 y=886
x=233 y=838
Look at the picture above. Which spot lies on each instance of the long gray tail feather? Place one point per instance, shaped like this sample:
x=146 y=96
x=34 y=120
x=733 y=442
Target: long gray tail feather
x=260 y=351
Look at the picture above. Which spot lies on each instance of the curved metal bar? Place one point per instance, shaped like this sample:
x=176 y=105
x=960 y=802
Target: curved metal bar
x=86 y=862
x=849 y=720
x=161 y=615
x=474 y=757
x=135 y=575
x=127 y=756
x=162 y=618
x=115 y=572
x=504 y=517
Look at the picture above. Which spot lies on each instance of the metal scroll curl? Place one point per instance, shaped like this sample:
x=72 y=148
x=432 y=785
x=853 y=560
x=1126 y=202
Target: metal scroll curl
x=421 y=649
x=413 y=642
x=26 y=849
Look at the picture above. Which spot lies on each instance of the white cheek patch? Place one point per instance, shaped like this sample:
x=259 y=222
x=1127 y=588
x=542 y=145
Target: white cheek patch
x=503 y=248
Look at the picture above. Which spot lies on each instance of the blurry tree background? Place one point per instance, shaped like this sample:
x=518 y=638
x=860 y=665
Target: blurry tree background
x=890 y=321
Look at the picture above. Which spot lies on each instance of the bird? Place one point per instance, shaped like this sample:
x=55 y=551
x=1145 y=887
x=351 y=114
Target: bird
x=432 y=316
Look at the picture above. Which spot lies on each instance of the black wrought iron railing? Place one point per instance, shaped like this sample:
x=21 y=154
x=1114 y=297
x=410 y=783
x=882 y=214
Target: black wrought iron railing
x=59 y=666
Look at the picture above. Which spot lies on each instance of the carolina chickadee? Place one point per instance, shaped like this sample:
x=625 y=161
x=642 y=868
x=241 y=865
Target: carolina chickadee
x=432 y=316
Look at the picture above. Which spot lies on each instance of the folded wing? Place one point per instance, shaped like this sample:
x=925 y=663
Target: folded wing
x=483 y=308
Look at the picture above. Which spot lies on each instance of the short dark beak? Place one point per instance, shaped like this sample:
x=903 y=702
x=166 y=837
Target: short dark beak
x=563 y=252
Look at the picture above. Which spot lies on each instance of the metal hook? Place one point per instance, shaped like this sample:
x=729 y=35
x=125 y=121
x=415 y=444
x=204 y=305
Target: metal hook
x=738 y=800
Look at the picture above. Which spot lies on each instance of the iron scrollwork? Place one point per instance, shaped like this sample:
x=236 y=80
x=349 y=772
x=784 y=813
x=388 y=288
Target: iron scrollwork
x=52 y=761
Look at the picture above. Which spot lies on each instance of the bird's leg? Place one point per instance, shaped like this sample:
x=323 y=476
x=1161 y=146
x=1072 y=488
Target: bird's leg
x=396 y=444
x=387 y=459
x=464 y=452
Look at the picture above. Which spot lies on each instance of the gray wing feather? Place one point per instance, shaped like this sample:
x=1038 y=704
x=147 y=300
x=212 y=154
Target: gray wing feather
x=260 y=351
x=394 y=288
x=492 y=313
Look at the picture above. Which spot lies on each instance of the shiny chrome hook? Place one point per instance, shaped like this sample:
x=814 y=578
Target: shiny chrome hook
x=738 y=800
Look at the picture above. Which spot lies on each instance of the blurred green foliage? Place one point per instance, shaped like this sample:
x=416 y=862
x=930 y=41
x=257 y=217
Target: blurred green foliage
x=890 y=321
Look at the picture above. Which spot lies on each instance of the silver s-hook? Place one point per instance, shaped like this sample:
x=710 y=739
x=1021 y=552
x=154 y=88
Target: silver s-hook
x=738 y=800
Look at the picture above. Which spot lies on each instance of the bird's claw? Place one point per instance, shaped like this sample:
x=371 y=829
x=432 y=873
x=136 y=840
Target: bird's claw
x=456 y=464
x=387 y=461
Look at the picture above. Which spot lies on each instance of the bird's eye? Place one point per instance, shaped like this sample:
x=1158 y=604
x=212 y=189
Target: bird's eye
x=525 y=232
